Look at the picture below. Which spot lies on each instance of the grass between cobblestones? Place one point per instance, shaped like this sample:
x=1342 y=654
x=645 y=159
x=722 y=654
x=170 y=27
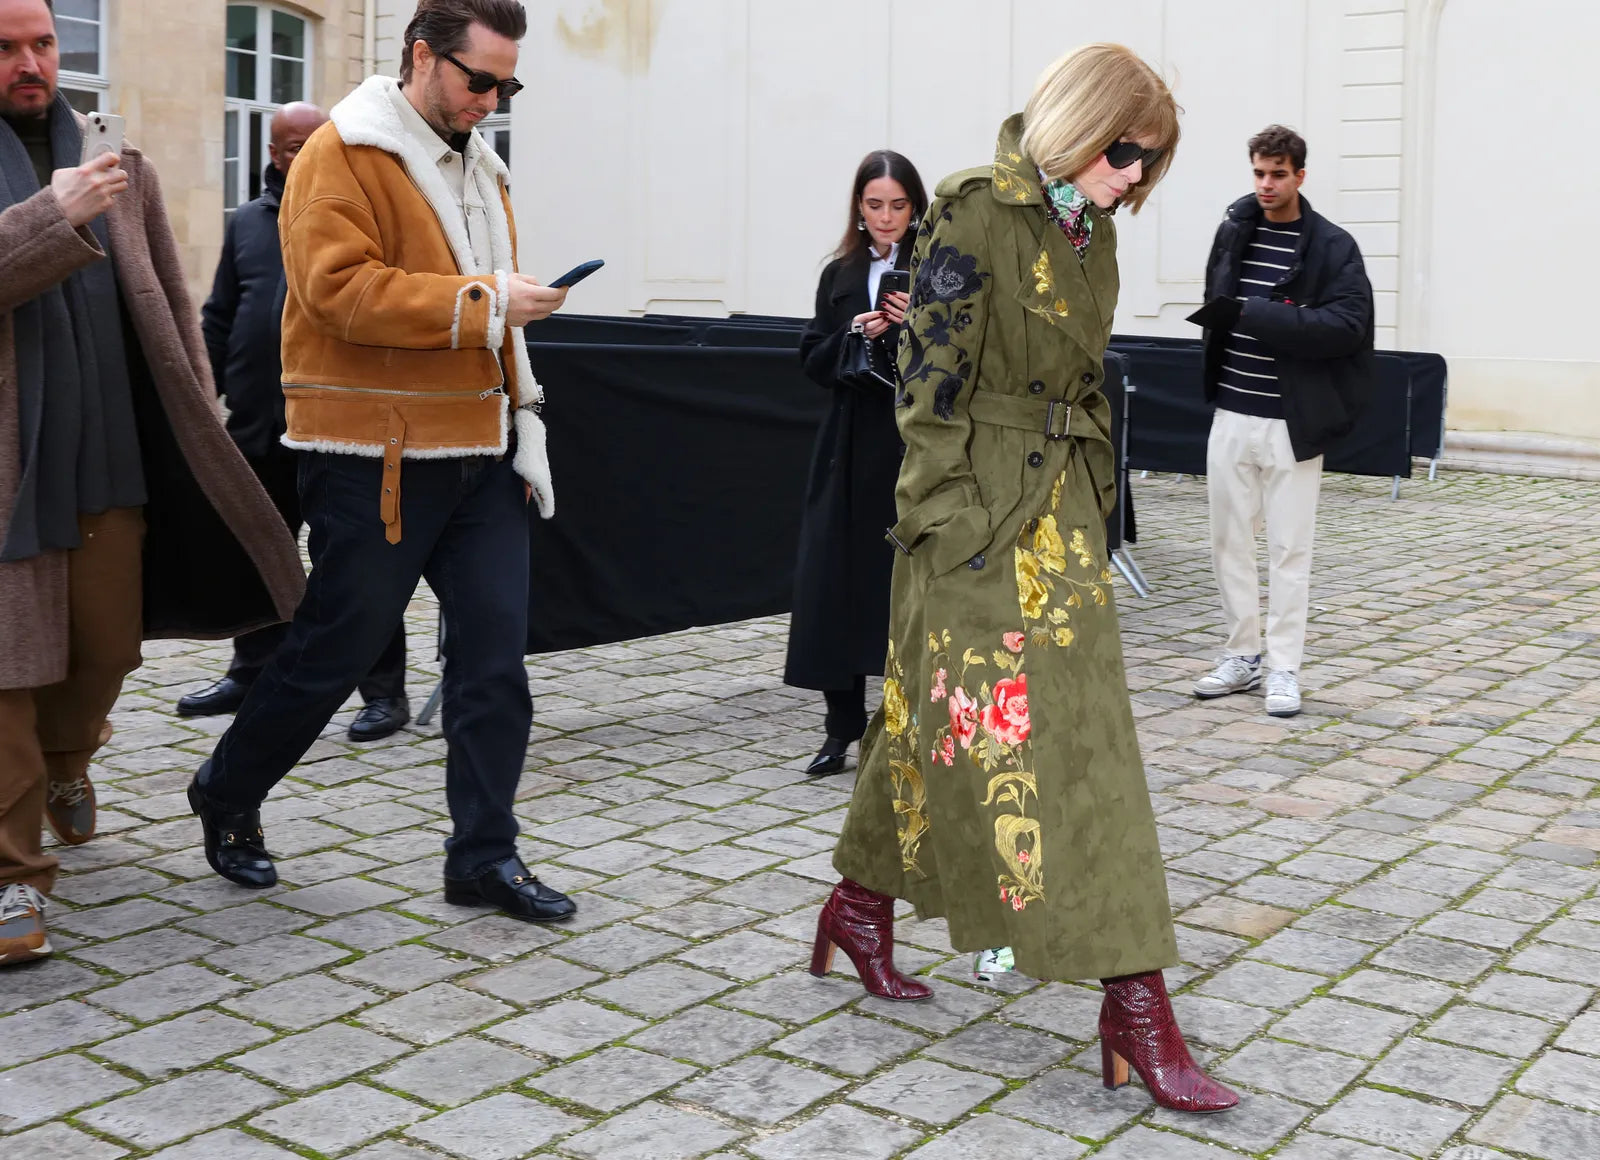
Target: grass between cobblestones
x=1386 y=906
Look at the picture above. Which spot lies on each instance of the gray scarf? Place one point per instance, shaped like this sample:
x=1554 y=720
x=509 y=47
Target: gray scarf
x=79 y=448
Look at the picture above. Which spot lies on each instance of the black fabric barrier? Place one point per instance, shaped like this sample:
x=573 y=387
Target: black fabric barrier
x=1169 y=419
x=679 y=476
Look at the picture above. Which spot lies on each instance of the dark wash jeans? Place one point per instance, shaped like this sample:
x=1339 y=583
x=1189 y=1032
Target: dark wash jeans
x=464 y=525
x=279 y=472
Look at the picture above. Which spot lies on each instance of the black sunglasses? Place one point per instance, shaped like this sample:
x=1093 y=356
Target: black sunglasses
x=1121 y=154
x=479 y=81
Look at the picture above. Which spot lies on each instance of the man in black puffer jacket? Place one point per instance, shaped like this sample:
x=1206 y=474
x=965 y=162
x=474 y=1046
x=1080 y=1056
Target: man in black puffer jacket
x=242 y=323
x=1289 y=364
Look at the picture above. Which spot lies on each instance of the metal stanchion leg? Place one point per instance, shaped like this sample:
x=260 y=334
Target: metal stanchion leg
x=1394 y=492
x=1433 y=469
x=431 y=706
x=1130 y=573
x=1133 y=565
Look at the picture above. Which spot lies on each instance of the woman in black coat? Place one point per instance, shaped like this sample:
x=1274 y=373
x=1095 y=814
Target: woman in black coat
x=840 y=619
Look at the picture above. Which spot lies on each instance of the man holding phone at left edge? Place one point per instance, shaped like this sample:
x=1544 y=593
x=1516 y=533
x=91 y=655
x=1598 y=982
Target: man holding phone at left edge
x=125 y=511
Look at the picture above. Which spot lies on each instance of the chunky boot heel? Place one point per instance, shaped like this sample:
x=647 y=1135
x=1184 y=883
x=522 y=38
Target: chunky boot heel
x=861 y=923
x=822 y=953
x=1113 y=1068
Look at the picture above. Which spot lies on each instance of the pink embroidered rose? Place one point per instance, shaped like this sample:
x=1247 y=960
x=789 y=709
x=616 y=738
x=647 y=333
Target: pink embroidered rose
x=1016 y=902
x=938 y=685
x=949 y=750
x=1013 y=641
x=1022 y=856
x=1007 y=719
x=963 y=717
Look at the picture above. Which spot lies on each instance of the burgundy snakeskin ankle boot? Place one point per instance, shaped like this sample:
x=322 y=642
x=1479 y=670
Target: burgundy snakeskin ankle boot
x=1137 y=1027
x=861 y=923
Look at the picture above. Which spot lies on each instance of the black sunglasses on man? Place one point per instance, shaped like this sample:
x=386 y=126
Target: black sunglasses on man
x=479 y=81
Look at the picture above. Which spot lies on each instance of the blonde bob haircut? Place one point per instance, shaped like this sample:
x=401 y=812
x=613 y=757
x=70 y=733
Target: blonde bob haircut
x=1088 y=100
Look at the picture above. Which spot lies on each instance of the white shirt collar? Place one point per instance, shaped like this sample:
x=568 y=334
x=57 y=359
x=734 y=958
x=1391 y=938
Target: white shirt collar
x=872 y=255
x=417 y=125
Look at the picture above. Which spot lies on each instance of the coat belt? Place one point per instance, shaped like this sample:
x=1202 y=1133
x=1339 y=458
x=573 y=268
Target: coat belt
x=1052 y=418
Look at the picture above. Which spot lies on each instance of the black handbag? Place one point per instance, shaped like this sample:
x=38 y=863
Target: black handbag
x=865 y=364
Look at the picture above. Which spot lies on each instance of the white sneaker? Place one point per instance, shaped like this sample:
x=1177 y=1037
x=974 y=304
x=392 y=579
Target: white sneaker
x=1232 y=675
x=1283 y=693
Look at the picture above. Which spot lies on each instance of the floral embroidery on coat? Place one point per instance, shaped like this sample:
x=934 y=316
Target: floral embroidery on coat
x=1048 y=588
x=905 y=765
x=945 y=281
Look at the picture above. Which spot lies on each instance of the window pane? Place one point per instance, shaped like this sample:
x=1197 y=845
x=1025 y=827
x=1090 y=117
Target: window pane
x=230 y=134
x=242 y=75
x=502 y=146
x=257 y=157
x=85 y=100
x=80 y=9
x=80 y=46
x=230 y=185
x=288 y=36
x=242 y=27
x=288 y=81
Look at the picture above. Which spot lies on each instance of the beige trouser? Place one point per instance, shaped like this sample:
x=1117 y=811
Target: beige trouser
x=50 y=733
x=1251 y=476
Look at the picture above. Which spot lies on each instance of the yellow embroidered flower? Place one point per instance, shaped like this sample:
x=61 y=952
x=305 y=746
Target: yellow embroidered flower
x=1065 y=637
x=1047 y=543
x=1043 y=276
x=1032 y=593
x=1061 y=307
x=896 y=715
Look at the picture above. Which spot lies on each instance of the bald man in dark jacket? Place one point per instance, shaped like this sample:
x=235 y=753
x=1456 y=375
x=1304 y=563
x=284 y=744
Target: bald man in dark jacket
x=242 y=322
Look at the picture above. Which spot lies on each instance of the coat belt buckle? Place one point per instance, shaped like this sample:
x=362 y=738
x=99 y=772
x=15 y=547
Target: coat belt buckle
x=1050 y=431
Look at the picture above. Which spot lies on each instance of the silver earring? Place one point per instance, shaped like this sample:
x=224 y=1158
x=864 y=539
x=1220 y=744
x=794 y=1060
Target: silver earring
x=861 y=224
x=916 y=222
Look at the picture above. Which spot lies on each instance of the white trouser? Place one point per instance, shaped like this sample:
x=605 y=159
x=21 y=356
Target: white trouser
x=1251 y=475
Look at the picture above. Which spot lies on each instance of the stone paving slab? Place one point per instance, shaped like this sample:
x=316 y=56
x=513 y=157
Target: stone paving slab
x=1387 y=907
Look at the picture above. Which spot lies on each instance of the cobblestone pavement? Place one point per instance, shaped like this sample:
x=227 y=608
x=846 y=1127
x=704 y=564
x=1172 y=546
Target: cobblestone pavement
x=1387 y=906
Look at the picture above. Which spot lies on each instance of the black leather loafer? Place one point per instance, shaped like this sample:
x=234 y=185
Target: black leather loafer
x=223 y=697
x=510 y=888
x=829 y=759
x=235 y=845
x=379 y=718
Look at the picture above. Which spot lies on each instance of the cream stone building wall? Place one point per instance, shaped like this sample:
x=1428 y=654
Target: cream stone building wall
x=704 y=148
x=164 y=69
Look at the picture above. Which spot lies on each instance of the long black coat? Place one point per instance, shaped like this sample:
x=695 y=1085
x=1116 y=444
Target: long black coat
x=840 y=617
x=242 y=322
x=1318 y=323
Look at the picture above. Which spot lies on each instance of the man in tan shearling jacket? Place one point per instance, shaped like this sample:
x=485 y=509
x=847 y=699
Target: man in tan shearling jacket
x=409 y=394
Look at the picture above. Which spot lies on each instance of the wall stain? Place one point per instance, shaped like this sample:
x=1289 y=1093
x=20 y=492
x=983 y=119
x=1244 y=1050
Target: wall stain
x=618 y=32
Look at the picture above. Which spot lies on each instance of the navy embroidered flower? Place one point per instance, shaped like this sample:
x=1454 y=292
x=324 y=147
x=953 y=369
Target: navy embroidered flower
x=946 y=275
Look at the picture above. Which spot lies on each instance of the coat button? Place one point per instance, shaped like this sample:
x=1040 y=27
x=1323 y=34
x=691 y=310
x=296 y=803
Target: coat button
x=976 y=563
x=1036 y=387
x=475 y=294
x=1088 y=379
x=1033 y=526
x=1035 y=459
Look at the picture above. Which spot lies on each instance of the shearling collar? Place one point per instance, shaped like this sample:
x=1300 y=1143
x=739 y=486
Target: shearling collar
x=368 y=116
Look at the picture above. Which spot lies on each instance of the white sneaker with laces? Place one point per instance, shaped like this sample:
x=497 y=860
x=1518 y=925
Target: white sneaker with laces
x=1232 y=675
x=1283 y=693
x=22 y=933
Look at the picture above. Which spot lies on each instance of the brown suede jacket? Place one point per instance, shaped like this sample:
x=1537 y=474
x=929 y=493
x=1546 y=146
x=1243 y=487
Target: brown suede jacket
x=393 y=344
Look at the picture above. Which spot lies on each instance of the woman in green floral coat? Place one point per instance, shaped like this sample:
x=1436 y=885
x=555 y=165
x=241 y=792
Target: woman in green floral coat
x=1000 y=785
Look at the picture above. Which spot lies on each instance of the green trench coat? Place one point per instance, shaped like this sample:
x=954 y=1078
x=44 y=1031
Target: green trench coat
x=1000 y=785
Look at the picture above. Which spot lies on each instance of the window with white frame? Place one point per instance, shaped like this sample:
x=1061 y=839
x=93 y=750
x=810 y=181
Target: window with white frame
x=268 y=66
x=81 y=33
x=496 y=130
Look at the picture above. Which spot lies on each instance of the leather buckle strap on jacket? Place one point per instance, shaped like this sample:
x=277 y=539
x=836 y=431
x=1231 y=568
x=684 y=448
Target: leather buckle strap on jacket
x=389 y=502
x=1055 y=419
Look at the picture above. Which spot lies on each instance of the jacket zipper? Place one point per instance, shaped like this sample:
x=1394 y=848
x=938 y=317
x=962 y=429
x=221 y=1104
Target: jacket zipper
x=495 y=390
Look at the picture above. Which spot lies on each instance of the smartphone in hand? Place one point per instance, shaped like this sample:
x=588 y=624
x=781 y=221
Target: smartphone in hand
x=892 y=282
x=577 y=274
x=103 y=134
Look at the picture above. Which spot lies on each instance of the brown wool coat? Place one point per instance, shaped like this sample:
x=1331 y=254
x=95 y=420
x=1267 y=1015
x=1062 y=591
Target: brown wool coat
x=218 y=558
